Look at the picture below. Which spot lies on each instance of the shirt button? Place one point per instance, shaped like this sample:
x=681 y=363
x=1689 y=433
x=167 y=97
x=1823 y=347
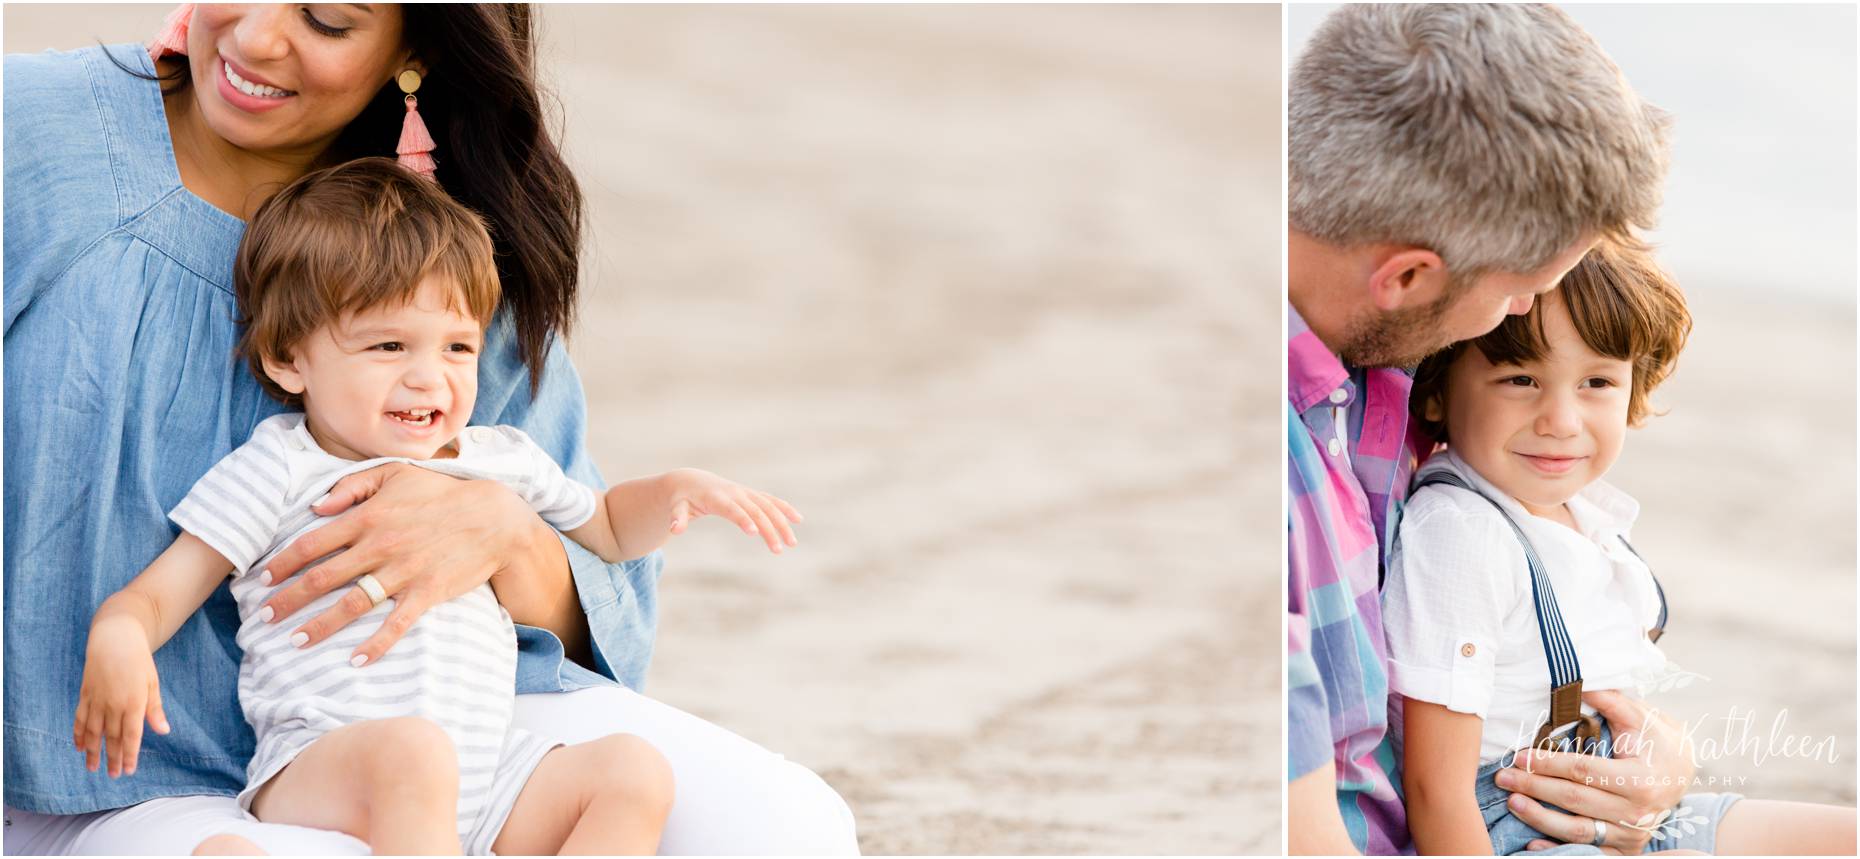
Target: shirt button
x=1335 y=447
x=1468 y=649
x=481 y=435
x=1339 y=395
x=297 y=443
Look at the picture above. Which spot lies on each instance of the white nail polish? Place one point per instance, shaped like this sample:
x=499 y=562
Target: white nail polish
x=266 y=614
x=264 y=577
x=299 y=639
x=359 y=660
x=319 y=501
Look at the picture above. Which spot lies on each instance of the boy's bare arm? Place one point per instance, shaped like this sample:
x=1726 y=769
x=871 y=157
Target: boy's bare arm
x=120 y=689
x=1440 y=759
x=620 y=529
x=169 y=591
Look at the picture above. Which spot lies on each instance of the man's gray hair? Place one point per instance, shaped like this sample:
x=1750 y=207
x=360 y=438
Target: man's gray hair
x=1496 y=136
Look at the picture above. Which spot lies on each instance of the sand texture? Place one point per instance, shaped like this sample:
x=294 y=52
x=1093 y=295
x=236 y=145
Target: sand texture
x=990 y=294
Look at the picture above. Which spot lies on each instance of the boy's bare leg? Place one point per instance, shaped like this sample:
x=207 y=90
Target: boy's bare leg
x=393 y=783
x=608 y=796
x=1773 y=827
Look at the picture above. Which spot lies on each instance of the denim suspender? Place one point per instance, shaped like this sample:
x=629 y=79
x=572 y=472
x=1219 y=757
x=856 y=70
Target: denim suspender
x=1559 y=652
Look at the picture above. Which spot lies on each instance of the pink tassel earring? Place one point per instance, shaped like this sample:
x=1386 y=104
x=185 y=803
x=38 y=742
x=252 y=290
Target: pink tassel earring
x=416 y=145
x=173 y=36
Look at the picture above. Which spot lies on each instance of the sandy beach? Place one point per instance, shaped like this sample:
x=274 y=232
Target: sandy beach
x=992 y=295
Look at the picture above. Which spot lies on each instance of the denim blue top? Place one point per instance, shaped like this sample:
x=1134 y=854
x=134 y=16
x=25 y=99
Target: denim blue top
x=122 y=390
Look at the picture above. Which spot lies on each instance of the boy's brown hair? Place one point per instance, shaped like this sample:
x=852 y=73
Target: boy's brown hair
x=345 y=239
x=1622 y=305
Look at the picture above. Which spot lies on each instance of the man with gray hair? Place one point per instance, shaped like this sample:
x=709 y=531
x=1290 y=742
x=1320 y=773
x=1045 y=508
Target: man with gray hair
x=1448 y=163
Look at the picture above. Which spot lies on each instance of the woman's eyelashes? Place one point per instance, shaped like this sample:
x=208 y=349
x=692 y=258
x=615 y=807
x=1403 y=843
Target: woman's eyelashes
x=325 y=29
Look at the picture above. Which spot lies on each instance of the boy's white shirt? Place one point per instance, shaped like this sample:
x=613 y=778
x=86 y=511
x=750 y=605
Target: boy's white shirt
x=1457 y=614
x=456 y=666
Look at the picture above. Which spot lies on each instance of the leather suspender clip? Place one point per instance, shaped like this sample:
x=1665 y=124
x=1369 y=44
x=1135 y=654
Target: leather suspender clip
x=1568 y=728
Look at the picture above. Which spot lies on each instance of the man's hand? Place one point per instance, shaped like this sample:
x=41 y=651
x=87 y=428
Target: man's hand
x=119 y=691
x=425 y=537
x=1649 y=774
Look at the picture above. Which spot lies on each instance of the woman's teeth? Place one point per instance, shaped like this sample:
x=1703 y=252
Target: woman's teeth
x=252 y=89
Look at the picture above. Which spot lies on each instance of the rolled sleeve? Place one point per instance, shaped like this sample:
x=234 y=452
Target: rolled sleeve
x=1465 y=687
x=615 y=598
x=1450 y=586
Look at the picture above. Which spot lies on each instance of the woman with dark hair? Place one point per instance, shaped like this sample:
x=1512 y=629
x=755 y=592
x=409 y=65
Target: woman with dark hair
x=128 y=182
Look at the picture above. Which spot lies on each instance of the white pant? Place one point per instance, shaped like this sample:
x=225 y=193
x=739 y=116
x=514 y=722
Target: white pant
x=733 y=796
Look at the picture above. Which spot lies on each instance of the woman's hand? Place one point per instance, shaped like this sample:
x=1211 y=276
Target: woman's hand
x=1649 y=774
x=425 y=537
x=119 y=690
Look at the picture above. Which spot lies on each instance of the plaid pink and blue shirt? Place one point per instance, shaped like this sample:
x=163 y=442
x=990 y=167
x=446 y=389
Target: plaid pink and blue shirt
x=1350 y=455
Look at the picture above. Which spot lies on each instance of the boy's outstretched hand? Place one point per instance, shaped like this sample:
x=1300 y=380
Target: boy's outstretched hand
x=119 y=691
x=695 y=493
x=638 y=516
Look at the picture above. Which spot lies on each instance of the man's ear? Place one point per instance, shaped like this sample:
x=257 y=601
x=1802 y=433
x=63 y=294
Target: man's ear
x=1407 y=277
x=285 y=373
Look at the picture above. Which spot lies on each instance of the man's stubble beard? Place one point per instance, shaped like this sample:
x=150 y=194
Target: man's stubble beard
x=1398 y=339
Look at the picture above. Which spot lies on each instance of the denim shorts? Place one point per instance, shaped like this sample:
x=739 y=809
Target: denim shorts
x=1693 y=825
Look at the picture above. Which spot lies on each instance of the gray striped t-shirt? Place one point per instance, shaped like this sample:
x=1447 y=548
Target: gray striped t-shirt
x=456 y=666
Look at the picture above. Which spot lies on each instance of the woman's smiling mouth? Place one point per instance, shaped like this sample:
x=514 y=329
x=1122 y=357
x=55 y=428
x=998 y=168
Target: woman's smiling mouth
x=246 y=94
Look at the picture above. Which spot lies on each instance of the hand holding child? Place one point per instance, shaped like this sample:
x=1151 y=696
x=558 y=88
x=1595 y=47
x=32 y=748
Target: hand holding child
x=426 y=537
x=1648 y=772
x=120 y=689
